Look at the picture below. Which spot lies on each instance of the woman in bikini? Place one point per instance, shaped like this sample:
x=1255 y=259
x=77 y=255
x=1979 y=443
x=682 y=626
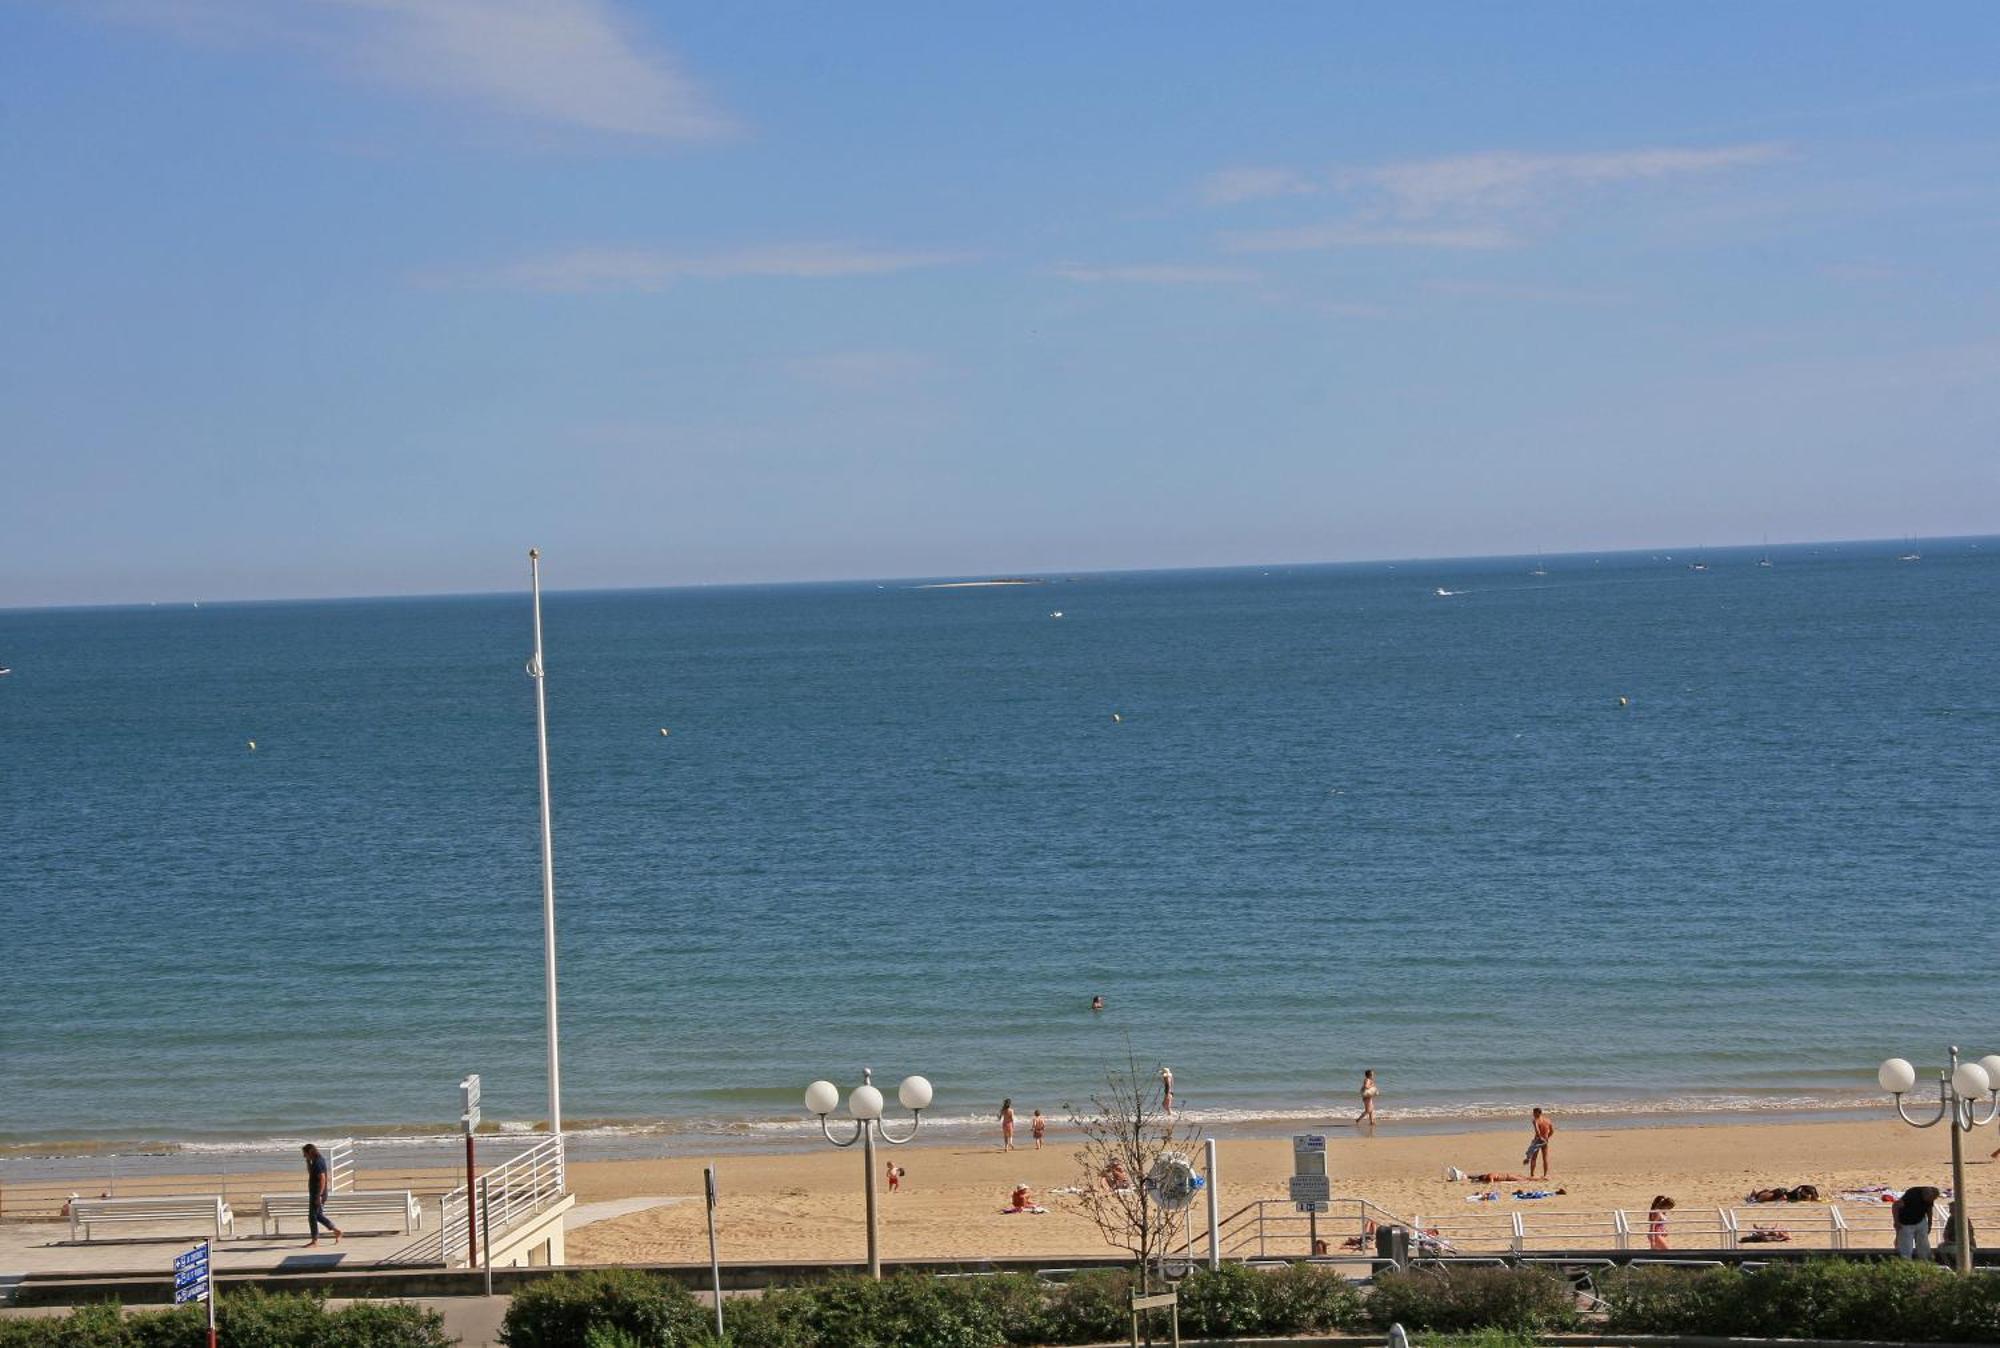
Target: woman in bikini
x=1007 y=1124
x=1369 y=1091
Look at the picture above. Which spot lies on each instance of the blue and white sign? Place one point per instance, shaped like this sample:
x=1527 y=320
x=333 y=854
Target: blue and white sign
x=191 y=1280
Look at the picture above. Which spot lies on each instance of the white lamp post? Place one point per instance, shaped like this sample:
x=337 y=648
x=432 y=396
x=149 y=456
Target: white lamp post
x=1960 y=1087
x=548 y=852
x=865 y=1105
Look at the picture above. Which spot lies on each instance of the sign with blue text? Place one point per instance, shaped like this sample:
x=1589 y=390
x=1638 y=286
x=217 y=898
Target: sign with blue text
x=191 y=1278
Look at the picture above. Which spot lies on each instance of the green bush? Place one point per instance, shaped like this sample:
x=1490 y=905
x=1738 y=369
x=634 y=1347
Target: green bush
x=1093 y=1307
x=1824 y=1298
x=1304 y=1299
x=984 y=1312
x=562 y=1311
x=244 y=1319
x=1525 y=1300
x=1223 y=1303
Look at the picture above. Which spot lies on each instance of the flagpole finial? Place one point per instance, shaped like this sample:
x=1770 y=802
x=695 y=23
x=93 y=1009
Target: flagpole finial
x=534 y=554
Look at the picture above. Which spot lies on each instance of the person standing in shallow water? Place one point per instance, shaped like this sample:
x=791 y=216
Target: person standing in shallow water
x=1007 y=1124
x=319 y=1182
x=1167 y=1089
x=1369 y=1090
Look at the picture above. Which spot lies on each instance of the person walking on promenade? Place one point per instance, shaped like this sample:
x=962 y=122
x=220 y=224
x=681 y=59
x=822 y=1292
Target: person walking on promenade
x=1369 y=1090
x=319 y=1182
x=1007 y=1124
x=1913 y=1222
x=1538 y=1145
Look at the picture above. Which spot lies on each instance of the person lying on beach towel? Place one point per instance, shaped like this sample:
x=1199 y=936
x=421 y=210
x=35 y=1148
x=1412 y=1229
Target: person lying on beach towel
x=1800 y=1193
x=1454 y=1174
x=1765 y=1235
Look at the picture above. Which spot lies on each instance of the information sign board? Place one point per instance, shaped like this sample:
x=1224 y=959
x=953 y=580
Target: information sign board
x=191 y=1275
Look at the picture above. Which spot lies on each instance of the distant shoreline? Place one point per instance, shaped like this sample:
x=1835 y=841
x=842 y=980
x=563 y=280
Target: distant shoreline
x=978 y=584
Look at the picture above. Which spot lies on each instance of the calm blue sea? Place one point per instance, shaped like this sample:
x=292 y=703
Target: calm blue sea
x=1339 y=822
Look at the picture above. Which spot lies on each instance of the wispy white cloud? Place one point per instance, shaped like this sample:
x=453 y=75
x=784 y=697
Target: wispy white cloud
x=1233 y=185
x=1493 y=199
x=586 y=270
x=1162 y=274
x=575 y=63
x=1506 y=178
x=1361 y=234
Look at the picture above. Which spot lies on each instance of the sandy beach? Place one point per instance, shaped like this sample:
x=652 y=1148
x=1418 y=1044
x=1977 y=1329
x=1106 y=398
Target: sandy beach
x=808 y=1205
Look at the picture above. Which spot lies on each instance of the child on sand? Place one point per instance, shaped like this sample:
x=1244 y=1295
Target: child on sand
x=1036 y=1127
x=1656 y=1223
x=895 y=1177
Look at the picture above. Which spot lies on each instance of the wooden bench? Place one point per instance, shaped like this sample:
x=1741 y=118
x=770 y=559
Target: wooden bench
x=207 y=1210
x=344 y=1206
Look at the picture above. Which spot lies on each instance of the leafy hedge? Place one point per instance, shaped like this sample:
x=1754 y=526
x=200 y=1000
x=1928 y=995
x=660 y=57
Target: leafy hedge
x=245 y=1319
x=629 y=1309
x=608 y=1308
x=1824 y=1298
x=1521 y=1300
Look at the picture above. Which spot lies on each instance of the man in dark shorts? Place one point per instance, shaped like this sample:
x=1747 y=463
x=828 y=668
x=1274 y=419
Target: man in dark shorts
x=319 y=1182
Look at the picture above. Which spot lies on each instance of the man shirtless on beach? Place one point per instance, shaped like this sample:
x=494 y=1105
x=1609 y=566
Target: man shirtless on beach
x=1538 y=1145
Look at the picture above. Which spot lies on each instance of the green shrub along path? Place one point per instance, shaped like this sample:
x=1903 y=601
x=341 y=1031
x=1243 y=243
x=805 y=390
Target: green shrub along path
x=243 y=1320
x=1463 y=1308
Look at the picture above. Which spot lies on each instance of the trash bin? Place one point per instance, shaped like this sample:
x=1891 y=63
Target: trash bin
x=1393 y=1242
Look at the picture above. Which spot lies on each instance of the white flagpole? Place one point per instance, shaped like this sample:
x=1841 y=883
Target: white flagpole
x=548 y=853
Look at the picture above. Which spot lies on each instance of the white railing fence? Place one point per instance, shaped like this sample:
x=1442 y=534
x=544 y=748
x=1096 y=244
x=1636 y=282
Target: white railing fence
x=510 y=1192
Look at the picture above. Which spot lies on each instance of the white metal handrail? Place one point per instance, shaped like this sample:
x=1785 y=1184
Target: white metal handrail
x=510 y=1192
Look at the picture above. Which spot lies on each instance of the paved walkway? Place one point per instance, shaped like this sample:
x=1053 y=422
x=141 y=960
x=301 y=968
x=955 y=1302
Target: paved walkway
x=45 y=1247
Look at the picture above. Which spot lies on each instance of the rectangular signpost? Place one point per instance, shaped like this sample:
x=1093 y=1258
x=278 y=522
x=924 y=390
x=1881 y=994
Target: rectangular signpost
x=1312 y=1190
x=194 y=1280
x=468 y=1090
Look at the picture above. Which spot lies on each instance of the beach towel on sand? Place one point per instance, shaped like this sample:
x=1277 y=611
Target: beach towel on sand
x=1009 y=1212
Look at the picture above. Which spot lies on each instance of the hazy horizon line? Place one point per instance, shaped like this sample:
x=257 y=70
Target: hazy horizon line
x=1024 y=574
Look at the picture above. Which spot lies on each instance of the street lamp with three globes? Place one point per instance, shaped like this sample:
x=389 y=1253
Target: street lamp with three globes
x=864 y=1104
x=1960 y=1088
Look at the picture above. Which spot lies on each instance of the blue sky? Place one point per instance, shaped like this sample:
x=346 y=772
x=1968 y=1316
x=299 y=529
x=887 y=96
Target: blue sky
x=365 y=296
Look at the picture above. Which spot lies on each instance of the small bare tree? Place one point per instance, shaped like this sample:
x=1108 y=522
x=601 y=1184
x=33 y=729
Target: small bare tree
x=1126 y=1130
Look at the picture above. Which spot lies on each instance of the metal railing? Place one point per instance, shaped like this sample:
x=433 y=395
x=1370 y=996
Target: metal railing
x=239 y=1179
x=1273 y=1228
x=510 y=1192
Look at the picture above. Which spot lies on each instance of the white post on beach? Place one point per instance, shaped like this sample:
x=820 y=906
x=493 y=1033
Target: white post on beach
x=548 y=849
x=1214 y=1207
x=865 y=1105
x=714 y=1259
